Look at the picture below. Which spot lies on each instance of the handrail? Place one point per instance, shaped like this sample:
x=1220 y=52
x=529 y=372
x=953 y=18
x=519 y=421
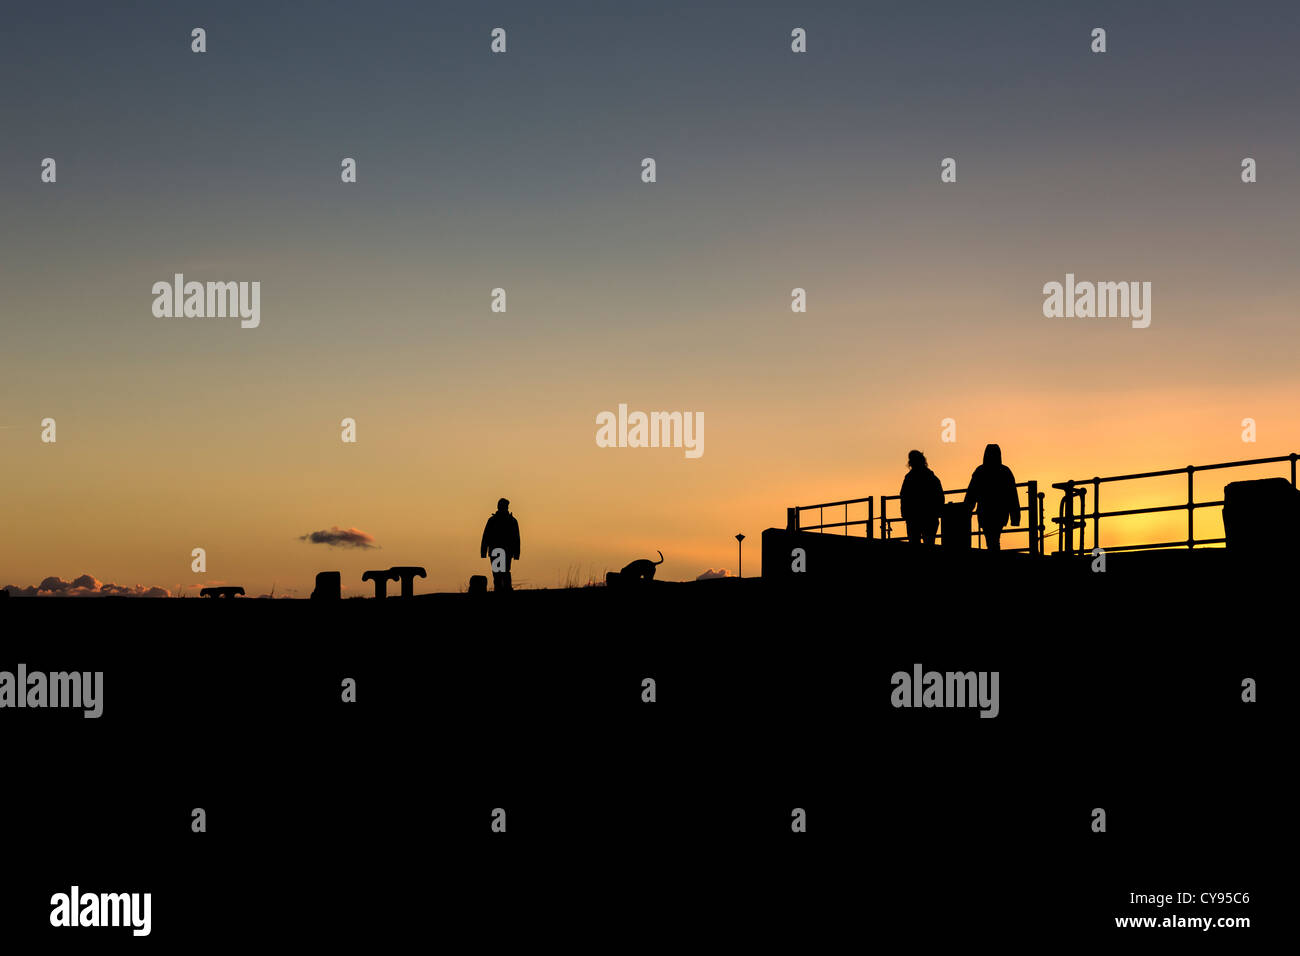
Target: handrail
x=1034 y=524
x=1068 y=521
x=792 y=521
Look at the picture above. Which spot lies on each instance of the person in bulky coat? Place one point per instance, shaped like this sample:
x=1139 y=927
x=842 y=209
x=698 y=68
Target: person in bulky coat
x=921 y=498
x=501 y=531
x=992 y=492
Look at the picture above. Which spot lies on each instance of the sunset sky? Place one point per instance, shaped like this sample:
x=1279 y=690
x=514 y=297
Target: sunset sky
x=775 y=170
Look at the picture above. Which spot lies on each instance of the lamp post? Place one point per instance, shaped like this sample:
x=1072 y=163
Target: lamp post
x=740 y=557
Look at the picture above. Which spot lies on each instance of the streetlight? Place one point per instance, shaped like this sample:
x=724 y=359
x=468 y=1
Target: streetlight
x=740 y=547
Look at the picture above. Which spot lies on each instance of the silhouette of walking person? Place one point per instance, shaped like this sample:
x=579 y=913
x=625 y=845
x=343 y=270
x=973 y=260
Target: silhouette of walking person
x=993 y=492
x=922 y=499
x=501 y=534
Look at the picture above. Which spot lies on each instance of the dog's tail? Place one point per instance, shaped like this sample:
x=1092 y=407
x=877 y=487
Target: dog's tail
x=661 y=558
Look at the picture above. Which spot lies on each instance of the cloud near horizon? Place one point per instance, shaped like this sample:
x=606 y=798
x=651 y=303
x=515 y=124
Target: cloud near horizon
x=341 y=538
x=85 y=586
x=711 y=573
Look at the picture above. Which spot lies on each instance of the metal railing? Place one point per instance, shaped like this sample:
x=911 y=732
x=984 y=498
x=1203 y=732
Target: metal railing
x=792 y=516
x=1034 y=527
x=1069 y=520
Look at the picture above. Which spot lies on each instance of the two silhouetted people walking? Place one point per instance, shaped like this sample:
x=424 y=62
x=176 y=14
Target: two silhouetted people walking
x=500 y=544
x=992 y=493
x=922 y=500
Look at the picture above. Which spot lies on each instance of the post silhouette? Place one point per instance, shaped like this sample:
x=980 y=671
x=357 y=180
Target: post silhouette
x=407 y=575
x=381 y=579
x=226 y=592
x=328 y=586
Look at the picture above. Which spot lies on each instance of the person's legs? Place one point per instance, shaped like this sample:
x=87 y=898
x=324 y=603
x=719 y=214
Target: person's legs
x=914 y=532
x=501 y=579
x=992 y=537
x=931 y=530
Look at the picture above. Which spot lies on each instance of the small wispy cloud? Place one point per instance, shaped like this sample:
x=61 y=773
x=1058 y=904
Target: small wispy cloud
x=337 y=537
x=711 y=573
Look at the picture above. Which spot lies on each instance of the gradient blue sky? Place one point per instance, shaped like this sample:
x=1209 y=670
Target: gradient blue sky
x=475 y=171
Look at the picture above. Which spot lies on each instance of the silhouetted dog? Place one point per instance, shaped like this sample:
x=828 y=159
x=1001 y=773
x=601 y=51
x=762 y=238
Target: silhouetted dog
x=642 y=569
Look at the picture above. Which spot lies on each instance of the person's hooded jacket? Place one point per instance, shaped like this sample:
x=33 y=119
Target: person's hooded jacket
x=501 y=531
x=993 y=492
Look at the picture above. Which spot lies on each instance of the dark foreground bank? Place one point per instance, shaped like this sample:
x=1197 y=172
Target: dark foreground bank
x=350 y=758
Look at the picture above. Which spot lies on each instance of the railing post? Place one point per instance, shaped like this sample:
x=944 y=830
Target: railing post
x=791 y=519
x=1096 y=513
x=871 y=515
x=1033 y=518
x=1294 y=456
x=1067 y=528
x=1083 y=521
x=1191 y=512
x=884 y=520
x=1042 y=522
